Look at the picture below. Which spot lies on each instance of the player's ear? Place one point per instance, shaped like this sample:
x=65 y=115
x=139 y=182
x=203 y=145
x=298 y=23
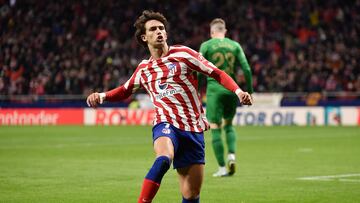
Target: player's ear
x=143 y=38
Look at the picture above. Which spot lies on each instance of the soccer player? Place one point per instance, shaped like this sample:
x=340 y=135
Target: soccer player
x=169 y=77
x=226 y=54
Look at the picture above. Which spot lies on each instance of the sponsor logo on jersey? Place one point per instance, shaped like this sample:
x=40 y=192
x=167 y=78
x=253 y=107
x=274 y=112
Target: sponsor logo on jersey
x=163 y=86
x=165 y=90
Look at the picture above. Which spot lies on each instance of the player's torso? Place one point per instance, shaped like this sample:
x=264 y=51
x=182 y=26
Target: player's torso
x=222 y=53
x=172 y=85
x=167 y=78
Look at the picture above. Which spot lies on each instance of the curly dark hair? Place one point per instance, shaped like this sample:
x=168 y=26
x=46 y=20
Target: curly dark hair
x=140 y=24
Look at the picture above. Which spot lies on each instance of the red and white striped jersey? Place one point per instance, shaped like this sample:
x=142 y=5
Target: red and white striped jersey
x=171 y=82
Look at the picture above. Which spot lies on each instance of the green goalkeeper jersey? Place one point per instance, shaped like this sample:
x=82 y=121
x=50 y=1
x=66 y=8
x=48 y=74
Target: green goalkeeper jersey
x=227 y=55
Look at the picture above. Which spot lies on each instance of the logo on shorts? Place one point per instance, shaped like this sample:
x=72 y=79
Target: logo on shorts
x=166 y=131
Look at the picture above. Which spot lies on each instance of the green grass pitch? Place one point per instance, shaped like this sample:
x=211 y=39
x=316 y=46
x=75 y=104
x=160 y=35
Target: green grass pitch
x=107 y=164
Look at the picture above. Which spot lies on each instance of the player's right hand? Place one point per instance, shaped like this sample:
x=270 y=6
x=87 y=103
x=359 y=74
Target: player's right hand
x=94 y=99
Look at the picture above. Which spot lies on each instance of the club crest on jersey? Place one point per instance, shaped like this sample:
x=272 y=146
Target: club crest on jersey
x=172 y=68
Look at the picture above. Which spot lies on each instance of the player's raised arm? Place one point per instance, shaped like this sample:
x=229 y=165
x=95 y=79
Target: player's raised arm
x=117 y=94
x=209 y=69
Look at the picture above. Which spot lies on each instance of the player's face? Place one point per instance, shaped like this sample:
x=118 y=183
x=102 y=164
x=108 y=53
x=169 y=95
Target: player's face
x=155 y=34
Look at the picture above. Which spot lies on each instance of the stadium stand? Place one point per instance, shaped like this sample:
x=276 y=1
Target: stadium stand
x=73 y=47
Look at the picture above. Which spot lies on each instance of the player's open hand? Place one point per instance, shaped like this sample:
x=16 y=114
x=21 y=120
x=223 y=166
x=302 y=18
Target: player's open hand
x=94 y=99
x=245 y=98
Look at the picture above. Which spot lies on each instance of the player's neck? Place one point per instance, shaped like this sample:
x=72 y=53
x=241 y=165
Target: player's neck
x=158 y=52
x=218 y=36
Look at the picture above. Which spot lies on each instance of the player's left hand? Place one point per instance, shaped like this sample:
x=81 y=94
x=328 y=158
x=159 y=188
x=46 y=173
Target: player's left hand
x=245 y=98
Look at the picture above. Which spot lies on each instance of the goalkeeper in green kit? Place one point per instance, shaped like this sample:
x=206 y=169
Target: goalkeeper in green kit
x=227 y=55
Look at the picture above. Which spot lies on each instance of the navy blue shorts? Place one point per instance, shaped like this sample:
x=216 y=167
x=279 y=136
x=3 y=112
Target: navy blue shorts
x=189 y=147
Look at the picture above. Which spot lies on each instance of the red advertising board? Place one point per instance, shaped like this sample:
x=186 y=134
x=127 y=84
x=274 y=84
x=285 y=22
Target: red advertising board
x=68 y=116
x=118 y=116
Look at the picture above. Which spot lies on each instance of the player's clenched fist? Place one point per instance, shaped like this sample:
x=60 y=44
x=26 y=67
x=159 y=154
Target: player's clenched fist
x=245 y=98
x=94 y=99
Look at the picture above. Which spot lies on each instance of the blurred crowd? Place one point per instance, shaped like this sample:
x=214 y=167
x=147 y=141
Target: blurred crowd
x=76 y=47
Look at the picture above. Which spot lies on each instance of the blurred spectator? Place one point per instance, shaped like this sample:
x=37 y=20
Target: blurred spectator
x=67 y=47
